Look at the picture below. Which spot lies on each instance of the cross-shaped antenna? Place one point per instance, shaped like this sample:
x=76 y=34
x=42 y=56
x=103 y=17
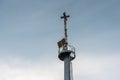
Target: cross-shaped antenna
x=65 y=26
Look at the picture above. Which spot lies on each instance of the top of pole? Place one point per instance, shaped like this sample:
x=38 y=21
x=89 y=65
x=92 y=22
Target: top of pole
x=65 y=16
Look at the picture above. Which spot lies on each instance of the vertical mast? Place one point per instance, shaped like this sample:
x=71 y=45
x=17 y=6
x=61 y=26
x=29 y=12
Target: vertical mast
x=65 y=28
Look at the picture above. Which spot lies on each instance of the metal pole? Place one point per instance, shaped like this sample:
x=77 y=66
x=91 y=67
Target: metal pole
x=67 y=68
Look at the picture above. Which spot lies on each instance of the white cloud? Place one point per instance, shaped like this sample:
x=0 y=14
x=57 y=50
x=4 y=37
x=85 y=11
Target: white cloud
x=19 y=69
x=85 y=67
x=100 y=67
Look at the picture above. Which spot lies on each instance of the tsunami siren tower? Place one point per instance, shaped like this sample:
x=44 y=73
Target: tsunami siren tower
x=66 y=52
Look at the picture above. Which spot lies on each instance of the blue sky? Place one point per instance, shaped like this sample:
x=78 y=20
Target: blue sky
x=30 y=30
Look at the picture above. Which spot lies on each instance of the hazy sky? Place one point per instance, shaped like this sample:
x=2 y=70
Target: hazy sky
x=30 y=30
